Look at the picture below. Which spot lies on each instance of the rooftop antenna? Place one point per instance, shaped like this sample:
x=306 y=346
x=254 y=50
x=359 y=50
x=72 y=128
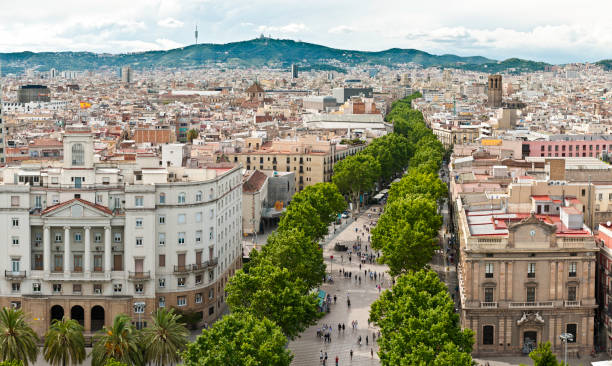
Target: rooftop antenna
x=196 y=34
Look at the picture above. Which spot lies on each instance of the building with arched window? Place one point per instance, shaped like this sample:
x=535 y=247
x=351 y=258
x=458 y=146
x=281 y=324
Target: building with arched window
x=92 y=239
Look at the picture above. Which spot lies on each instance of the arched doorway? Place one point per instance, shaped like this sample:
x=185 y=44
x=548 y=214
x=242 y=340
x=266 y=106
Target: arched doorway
x=530 y=340
x=97 y=318
x=78 y=313
x=57 y=312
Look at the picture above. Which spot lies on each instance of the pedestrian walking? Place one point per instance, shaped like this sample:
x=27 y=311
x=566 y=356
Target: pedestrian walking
x=335 y=299
x=336 y=360
x=321 y=356
x=325 y=356
x=351 y=354
x=371 y=353
x=367 y=338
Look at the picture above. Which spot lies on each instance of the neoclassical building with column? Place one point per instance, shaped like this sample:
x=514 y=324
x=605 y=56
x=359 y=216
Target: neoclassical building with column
x=89 y=238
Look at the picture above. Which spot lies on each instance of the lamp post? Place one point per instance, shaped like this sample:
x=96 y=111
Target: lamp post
x=566 y=337
x=139 y=308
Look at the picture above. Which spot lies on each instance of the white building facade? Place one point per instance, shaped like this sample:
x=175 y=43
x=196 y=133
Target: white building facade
x=88 y=240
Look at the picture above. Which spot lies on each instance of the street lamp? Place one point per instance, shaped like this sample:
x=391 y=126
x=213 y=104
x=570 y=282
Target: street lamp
x=566 y=337
x=139 y=308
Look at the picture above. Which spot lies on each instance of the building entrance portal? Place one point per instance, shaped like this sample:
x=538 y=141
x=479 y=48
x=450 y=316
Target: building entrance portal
x=530 y=339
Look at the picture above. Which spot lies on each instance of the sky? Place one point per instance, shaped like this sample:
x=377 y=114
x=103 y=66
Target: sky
x=557 y=31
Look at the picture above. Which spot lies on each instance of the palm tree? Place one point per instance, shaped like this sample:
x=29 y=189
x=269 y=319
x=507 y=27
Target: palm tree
x=17 y=339
x=120 y=341
x=166 y=337
x=64 y=343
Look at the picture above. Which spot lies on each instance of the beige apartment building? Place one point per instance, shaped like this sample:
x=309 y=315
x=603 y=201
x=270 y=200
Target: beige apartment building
x=456 y=135
x=312 y=160
x=525 y=278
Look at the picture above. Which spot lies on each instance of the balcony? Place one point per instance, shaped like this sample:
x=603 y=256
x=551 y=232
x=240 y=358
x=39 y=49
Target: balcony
x=15 y=275
x=488 y=305
x=532 y=304
x=182 y=269
x=139 y=276
x=197 y=267
x=571 y=304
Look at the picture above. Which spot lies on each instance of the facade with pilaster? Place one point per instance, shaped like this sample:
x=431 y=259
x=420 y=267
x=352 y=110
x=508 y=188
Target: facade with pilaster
x=89 y=239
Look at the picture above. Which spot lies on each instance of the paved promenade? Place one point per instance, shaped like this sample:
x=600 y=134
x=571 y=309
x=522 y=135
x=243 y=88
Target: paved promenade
x=308 y=347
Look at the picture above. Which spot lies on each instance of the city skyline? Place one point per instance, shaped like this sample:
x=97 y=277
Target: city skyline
x=545 y=31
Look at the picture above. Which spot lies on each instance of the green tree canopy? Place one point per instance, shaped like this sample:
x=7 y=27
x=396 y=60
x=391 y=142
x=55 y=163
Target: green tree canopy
x=356 y=174
x=406 y=233
x=416 y=182
x=239 y=339
x=165 y=338
x=418 y=323
x=268 y=291
x=304 y=217
x=192 y=134
x=293 y=250
x=64 y=343
x=120 y=341
x=325 y=198
x=543 y=356
x=18 y=342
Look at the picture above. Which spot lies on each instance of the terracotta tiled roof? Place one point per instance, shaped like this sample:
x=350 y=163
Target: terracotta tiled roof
x=66 y=203
x=254 y=182
x=255 y=88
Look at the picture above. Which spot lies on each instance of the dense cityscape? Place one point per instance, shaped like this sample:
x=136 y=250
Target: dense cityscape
x=244 y=203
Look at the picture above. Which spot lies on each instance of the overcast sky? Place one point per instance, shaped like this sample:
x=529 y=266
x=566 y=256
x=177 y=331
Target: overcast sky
x=556 y=31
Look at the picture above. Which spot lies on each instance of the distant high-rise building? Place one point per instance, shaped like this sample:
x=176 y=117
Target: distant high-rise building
x=495 y=91
x=196 y=34
x=294 y=71
x=2 y=128
x=33 y=93
x=126 y=74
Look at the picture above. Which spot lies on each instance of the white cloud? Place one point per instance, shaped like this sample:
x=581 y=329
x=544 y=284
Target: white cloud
x=289 y=28
x=170 y=23
x=341 y=29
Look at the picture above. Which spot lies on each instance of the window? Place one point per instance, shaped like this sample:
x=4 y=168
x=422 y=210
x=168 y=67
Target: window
x=99 y=199
x=198 y=298
x=36 y=287
x=162 y=219
x=15 y=287
x=76 y=288
x=212 y=234
x=97 y=288
x=180 y=281
x=487 y=334
x=181 y=238
x=198 y=217
x=583 y=192
x=572 y=269
x=571 y=329
x=162 y=302
x=161 y=237
x=38 y=262
x=211 y=276
x=57 y=287
x=97 y=237
x=198 y=196
x=162 y=198
x=571 y=293
x=162 y=260
x=139 y=289
x=98 y=263
x=38 y=201
x=181 y=301
x=162 y=282
x=15 y=240
x=139 y=222
x=14 y=201
x=77 y=263
x=117 y=237
x=181 y=218
x=77 y=236
x=488 y=294
x=198 y=279
x=211 y=310
x=531 y=294
x=139 y=201
x=138 y=242
x=15 y=222
x=211 y=293
x=181 y=197
x=117 y=288
x=58 y=238
x=489 y=270
x=198 y=236
x=78 y=155
x=531 y=267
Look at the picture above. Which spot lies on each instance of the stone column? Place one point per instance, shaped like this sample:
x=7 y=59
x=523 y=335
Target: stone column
x=47 y=249
x=87 y=264
x=66 y=250
x=107 y=250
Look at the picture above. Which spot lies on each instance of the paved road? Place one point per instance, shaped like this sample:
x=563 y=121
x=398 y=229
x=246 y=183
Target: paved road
x=307 y=348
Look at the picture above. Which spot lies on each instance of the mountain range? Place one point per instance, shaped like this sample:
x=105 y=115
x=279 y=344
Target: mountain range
x=259 y=52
